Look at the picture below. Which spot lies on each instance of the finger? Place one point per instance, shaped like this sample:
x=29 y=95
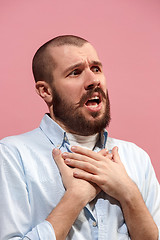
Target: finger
x=79 y=157
x=56 y=154
x=102 y=155
x=80 y=174
x=65 y=171
x=116 y=157
x=110 y=156
x=81 y=150
x=104 y=152
x=85 y=166
x=87 y=152
x=58 y=159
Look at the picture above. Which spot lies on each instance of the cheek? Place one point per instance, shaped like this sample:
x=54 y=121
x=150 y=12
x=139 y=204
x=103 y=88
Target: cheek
x=72 y=94
x=73 y=90
x=104 y=84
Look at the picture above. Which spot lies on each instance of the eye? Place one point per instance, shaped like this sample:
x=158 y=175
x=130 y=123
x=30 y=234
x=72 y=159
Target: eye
x=95 y=69
x=75 y=72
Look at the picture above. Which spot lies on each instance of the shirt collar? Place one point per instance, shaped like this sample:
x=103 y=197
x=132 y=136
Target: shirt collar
x=101 y=143
x=53 y=131
x=58 y=137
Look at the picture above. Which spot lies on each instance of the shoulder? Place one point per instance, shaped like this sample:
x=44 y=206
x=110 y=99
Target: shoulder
x=132 y=156
x=25 y=149
x=23 y=143
x=11 y=147
x=126 y=146
x=136 y=161
x=21 y=139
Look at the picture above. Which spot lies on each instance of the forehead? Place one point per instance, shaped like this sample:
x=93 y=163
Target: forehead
x=67 y=55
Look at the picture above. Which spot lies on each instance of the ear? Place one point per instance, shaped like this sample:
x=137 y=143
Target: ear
x=43 y=89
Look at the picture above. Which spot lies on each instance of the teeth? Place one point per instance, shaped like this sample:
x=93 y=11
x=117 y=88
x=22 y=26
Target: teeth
x=94 y=106
x=94 y=98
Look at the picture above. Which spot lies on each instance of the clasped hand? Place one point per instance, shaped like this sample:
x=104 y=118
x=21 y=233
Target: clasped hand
x=93 y=172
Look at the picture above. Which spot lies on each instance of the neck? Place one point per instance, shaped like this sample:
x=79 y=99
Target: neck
x=58 y=122
x=83 y=141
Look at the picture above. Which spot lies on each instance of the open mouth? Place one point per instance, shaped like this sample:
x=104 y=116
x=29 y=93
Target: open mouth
x=93 y=102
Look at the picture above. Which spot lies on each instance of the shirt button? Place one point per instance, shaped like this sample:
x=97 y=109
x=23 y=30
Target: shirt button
x=65 y=139
x=94 y=224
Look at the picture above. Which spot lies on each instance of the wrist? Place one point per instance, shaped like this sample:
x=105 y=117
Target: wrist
x=78 y=199
x=130 y=196
x=65 y=213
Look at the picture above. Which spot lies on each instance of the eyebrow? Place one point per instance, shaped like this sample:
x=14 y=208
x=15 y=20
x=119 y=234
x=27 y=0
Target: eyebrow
x=97 y=63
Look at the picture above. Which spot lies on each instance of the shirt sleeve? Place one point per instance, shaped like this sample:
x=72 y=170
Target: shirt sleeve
x=16 y=214
x=43 y=231
x=151 y=193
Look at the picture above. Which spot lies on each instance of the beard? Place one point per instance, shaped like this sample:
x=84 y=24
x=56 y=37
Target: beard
x=74 y=120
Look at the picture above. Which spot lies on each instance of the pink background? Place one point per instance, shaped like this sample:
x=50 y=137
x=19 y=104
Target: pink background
x=127 y=36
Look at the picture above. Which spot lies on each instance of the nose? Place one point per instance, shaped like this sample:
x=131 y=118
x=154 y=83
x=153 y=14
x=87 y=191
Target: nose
x=91 y=81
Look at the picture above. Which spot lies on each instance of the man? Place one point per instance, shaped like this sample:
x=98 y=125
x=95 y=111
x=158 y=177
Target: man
x=67 y=179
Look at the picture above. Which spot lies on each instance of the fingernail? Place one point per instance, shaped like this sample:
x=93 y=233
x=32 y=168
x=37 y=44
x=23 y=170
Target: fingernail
x=75 y=174
x=64 y=155
x=56 y=151
x=67 y=160
x=106 y=150
x=73 y=148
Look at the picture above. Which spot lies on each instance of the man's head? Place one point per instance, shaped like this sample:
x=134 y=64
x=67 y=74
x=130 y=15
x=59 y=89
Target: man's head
x=69 y=77
x=44 y=63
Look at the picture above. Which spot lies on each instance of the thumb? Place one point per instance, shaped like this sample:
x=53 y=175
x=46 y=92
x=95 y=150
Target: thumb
x=106 y=153
x=56 y=153
x=103 y=152
x=63 y=168
x=116 y=156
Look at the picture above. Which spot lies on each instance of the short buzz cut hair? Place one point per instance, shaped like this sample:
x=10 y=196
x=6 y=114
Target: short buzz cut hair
x=44 y=63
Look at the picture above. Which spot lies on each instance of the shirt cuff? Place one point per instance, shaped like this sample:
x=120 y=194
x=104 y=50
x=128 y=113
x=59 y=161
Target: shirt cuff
x=43 y=231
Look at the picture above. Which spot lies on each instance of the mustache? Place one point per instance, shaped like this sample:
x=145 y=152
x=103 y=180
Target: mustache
x=89 y=94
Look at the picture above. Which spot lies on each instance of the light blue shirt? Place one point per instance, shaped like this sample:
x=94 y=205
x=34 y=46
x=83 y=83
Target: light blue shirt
x=31 y=187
